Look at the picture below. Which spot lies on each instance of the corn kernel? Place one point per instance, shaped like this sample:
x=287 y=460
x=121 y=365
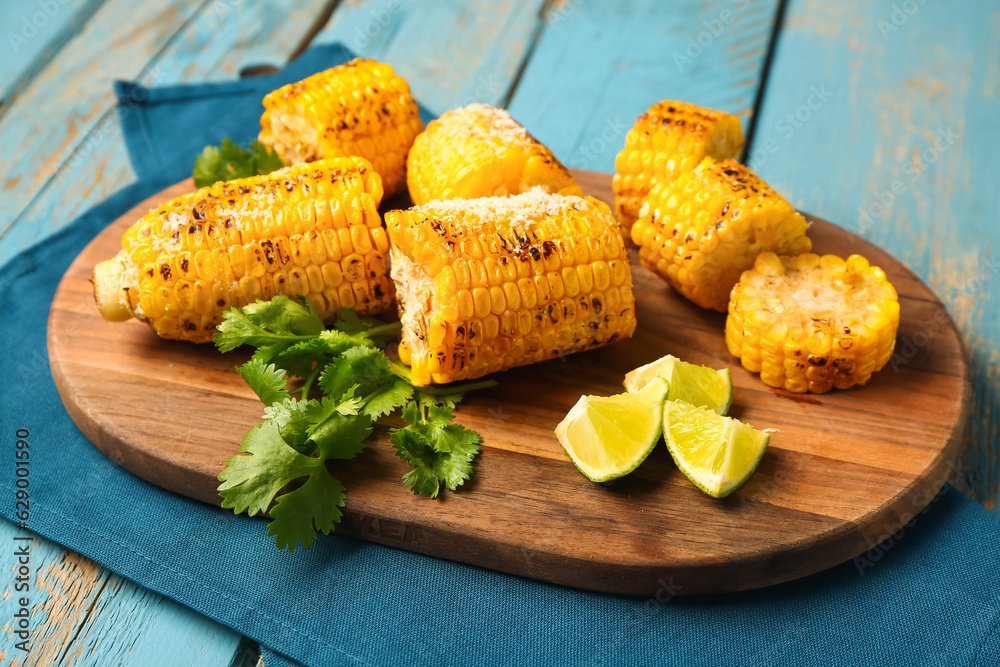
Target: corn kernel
x=358 y=108
x=702 y=230
x=495 y=290
x=811 y=323
x=479 y=151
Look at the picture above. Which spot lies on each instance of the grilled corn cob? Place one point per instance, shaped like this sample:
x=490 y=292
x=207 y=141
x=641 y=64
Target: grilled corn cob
x=358 y=108
x=702 y=230
x=480 y=151
x=310 y=230
x=812 y=323
x=488 y=284
x=667 y=140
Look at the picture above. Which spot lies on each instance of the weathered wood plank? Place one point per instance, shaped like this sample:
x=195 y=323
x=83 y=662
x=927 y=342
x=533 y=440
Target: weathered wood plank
x=70 y=97
x=451 y=53
x=883 y=118
x=600 y=63
x=216 y=44
x=231 y=35
x=266 y=34
x=81 y=614
x=222 y=39
x=35 y=32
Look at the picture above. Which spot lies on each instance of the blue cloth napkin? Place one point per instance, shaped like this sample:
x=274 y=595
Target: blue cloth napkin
x=930 y=597
x=166 y=127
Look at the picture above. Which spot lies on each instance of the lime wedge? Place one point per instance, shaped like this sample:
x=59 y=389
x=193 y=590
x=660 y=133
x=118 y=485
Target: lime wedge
x=716 y=453
x=609 y=436
x=697 y=385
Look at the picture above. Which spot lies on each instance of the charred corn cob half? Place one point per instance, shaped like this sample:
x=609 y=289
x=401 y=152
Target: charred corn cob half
x=812 y=323
x=700 y=231
x=359 y=108
x=480 y=151
x=310 y=230
x=488 y=284
x=669 y=139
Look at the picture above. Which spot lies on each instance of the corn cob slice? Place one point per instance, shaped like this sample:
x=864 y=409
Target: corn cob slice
x=480 y=151
x=358 y=108
x=310 y=230
x=488 y=284
x=702 y=230
x=812 y=323
x=669 y=139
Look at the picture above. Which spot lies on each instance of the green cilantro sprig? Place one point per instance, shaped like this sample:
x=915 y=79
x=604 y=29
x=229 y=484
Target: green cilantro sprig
x=286 y=459
x=438 y=450
x=228 y=161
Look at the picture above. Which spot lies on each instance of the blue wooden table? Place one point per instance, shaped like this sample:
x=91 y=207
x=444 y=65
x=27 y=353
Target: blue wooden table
x=880 y=115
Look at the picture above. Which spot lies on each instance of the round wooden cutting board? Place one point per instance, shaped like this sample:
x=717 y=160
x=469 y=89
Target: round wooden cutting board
x=844 y=469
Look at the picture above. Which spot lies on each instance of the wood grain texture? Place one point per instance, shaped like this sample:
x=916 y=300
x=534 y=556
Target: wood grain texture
x=222 y=38
x=844 y=469
x=83 y=615
x=217 y=42
x=451 y=53
x=598 y=64
x=34 y=33
x=886 y=118
x=72 y=95
x=213 y=44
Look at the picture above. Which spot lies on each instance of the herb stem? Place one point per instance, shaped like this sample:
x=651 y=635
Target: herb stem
x=402 y=371
x=389 y=329
x=448 y=389
x=309 y=380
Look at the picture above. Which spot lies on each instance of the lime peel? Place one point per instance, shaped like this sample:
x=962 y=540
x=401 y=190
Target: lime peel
x=607 y=437
x=691 y=383
x=718 y=454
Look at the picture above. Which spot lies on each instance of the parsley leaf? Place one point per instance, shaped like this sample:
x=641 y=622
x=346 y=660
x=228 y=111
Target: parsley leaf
x=341 y=436
x=266 y=381
x=368 y=370
x=413 y=447
x=438 y=450
x=251 y=480
x=387 y=398
x=228 y=161
x=265 y=159
x=263 y=324
x=267 y=463
x=366 y=367
x=350 y=404
x=300 y=513
x=375 y=330
x=300 y=359
x=291 y=449
x=350 y=322
x=292 y=420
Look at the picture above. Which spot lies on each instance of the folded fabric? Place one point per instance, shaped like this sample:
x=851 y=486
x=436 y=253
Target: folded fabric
x=166 y=127
x=931 y=596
